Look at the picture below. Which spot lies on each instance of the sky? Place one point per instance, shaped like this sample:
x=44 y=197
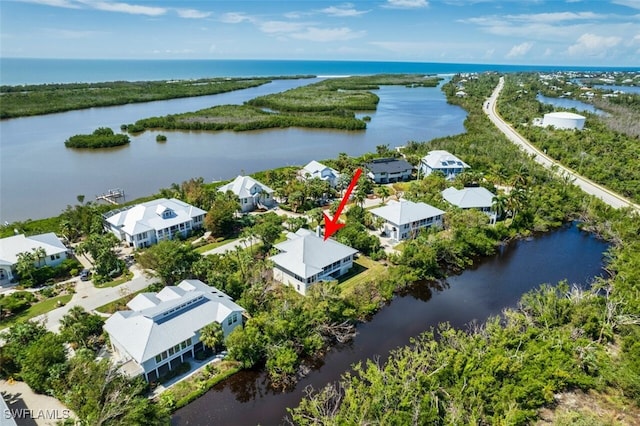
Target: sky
x=528 y=32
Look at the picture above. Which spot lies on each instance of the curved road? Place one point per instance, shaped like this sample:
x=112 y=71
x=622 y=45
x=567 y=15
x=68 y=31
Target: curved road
x=592 y=188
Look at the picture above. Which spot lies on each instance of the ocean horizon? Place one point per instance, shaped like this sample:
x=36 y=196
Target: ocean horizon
x=23 y=71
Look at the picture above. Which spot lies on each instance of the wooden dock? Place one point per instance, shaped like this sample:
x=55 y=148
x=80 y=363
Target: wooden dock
x=111 y=196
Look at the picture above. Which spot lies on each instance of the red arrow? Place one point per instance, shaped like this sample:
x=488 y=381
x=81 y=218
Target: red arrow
x=332 y=225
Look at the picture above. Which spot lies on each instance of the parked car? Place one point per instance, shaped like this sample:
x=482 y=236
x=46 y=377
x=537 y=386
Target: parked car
x=85 y=275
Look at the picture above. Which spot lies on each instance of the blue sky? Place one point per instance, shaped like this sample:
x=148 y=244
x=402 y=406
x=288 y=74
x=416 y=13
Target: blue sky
x=537 y=32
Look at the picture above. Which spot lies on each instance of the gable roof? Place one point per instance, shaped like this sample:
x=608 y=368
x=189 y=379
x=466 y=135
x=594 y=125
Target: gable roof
x=305 y=253
x=241 y=186
x=468 y=198
x=405 y=211
x=10 y=247
x=154 y=214
x=159 y=321
x=440 y=159
x=388 y=165
x=315 y=169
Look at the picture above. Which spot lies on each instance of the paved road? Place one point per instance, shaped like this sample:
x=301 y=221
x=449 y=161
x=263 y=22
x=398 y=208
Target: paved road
x=592 y=188
x=90 y=298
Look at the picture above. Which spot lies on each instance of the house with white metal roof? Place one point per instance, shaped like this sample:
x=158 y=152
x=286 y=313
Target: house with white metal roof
x=444 y=162
x=306 y=258
x=145 y=224
x=54 y=252
x=404 y=219
x=318 y=170
x=252 y=194
x=162 y=329
x=478 y=198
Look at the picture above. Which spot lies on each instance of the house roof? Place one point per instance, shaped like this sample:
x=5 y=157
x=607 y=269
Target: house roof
x=388 y=165
x=315 y=169
x=440 y=159
x=305 y=253
x=154 y=215
x=245 y=186
x=565 y=114
x=10 y=247
x=159 y=321
x=404 y=211
x=468 y=198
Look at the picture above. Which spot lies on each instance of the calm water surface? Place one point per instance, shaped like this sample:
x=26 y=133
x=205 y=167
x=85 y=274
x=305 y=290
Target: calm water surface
x=39 y=176
x=498 y=282
x=569 y=103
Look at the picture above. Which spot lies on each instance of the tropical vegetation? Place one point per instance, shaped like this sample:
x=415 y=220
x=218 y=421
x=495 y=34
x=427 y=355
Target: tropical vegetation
x=102 y=137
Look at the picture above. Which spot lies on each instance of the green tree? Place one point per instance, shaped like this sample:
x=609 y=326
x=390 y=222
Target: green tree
x=212 y=336
x=101 y=247
x=268 y=228
x=25 y=266
x=44 y=363
x=168 y=260
x=221 y=218
x=81 y=328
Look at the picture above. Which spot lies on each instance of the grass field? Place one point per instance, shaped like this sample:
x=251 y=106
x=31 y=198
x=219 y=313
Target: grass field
x=36 y=309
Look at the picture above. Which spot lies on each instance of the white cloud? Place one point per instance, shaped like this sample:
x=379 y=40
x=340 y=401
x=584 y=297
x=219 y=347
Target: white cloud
x=273 y=27
x=634 y=4
x=56 y=3
x=192 y=13
x=407 y=4
x=593 y=45
x=235 y=18
x=344 y=10
x=132 y=9
x=327 y=34
x=520 y=49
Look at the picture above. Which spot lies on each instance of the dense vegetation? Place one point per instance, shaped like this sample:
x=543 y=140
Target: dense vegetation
x=503 y=371
x=327 y=104
x=19 y=101
x=102 y=137
x=603 y=151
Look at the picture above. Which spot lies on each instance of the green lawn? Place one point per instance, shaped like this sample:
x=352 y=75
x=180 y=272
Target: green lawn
x=121 y=280
x=211 y=246
x=364 y=270
x=118 y=304
x=36 y=309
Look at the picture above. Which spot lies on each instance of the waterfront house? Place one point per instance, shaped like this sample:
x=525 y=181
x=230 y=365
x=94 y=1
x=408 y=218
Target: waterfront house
x=252 y=194
x=444 y=162
x=388 y=170
x=318 y=170
x=145 y=224
x=54 y=252
x=478 y=198
x=404 y=219
x=162 y=330
x=305 y=258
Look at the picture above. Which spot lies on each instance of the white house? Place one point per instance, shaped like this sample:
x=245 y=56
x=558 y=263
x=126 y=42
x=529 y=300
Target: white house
x=146 y=224
x=563 y=120
x=252 y=194
x=404 y=219
x=162 y=329
x=472 y=198
x=388 y=170
x=442 y=161
x=55 y=252
x=305 y=258
x=318 y=170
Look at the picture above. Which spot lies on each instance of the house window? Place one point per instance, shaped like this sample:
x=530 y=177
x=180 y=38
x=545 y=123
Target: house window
x=158 y=358
x=171 y=351
x=176 y=348
x=229 y=321
x=52 y=257
x=189 y=341
x=164 y=355
x=235 y=317
x=183 y=344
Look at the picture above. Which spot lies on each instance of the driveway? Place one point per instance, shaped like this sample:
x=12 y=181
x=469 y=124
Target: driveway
x=588 y=186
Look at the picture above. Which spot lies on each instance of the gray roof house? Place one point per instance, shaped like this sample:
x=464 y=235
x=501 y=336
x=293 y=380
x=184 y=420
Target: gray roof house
x=388 y=170
x=318 y=170
x=147 y=223
x=252 y=194
x=10 y=247
x=444 y=162
x=404 y=218
x=163 y=329
x=478 y=198
x=305 y=258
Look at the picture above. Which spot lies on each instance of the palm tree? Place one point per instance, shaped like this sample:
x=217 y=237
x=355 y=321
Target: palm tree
x=383 y=192
x=500 y=204
x=40 y=254
x=212 y=336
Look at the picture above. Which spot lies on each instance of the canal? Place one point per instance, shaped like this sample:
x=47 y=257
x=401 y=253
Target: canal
x=497 y=282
